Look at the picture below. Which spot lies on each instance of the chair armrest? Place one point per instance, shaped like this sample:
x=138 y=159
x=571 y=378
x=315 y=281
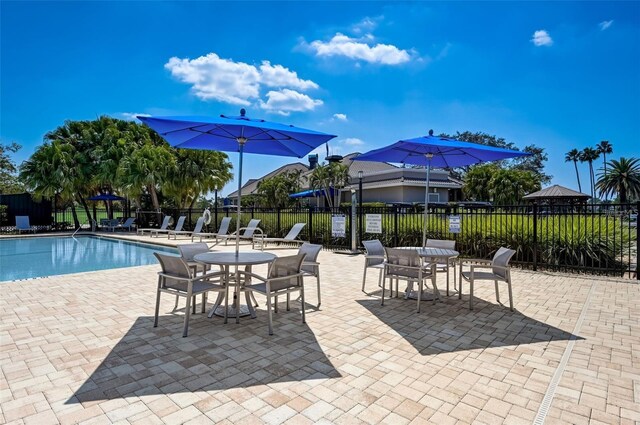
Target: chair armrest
x=310 y=263
x=186 y=279
x=380 y=257
x=485 y=266
x=210 y=275
x=474 y=260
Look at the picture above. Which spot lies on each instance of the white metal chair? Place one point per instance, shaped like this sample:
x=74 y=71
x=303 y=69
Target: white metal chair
x=373 y=258
x=500 y=271
x=406 y=264
x=450 y=262
x=285 y=276
x=196 y=229
x=176 y=278
x=224 y=230
x=178 y=227
x=164 y=226
x=310 y=265
x=289 y=238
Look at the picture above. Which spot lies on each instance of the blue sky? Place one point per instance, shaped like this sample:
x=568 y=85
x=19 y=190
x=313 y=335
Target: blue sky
x=558 y=75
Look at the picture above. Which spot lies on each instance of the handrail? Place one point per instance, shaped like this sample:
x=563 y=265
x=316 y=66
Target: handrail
x=80 y=227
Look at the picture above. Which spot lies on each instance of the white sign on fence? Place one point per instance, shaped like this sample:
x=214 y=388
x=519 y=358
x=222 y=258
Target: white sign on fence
x=374 y=223
x=454 y=224
x=338 y=226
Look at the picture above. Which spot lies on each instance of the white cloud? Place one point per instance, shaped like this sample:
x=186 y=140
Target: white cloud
x=279 y=76
x=542 y=38
x=130 y=116
x=366 y=25
x=605 y=24
x=360 y=49
x=214 y=78
x=353 y=141
x=340 y=117
x=286 y=101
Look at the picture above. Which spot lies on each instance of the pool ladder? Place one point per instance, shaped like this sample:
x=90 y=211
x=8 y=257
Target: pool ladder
x=93 y=222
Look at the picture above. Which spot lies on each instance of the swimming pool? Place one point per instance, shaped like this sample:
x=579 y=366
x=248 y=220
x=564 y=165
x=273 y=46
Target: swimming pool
x=24 y=258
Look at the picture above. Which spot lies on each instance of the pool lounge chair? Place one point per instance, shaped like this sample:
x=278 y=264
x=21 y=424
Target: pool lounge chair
x=128 y=224
x=22 y=224
x=224 y=230
x=178 y=227
x=197 y=229
x=164 y=226
x=289 y=238
x=246 y=232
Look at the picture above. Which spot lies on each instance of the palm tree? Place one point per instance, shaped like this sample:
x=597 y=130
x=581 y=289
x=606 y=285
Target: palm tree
x=623 y=178
x=329 y=177
x=604 y=148
x=574 y=155
x=589 y=155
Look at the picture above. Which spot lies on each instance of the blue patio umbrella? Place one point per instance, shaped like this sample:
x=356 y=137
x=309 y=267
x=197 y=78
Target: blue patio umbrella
x=237 y=134
x=106 y=197
x=442 y=152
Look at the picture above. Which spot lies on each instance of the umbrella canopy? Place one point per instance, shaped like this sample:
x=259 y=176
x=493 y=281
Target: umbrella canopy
x=312 y=193
x=442 y=152
x=106 y=197
x=236 y=134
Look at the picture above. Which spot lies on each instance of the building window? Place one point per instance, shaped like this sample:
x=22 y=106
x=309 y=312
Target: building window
x=434 y=197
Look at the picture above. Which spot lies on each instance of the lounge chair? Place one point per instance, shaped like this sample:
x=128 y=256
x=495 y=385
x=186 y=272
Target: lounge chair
x=247 y=232
x=178 y=227
x=224 y=230
x=164 y=226
x=289 y=238
x=197 y=229
x=500 y=271
x=22 y=224
x=128 y=224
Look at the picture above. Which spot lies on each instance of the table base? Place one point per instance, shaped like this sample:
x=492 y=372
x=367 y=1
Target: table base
x=244 y=311
x=413 y=295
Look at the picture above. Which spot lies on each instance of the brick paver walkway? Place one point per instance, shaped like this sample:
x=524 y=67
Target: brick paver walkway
x=82 y=348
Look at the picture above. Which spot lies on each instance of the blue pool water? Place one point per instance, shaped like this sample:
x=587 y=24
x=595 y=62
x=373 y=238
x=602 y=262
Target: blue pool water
x=25 y=258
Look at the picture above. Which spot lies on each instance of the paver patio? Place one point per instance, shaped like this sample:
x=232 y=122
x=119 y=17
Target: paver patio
x=82 y=348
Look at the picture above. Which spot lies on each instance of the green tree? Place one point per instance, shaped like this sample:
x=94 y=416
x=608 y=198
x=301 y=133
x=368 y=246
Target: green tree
x=574 y=156
x=325 y=177
x=477 y=182
x=589 y=155
x=9 y=181
x=508 y=186
x=276 y=190
x=622 y=178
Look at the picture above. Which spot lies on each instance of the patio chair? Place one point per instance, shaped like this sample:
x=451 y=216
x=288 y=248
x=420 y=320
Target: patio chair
x=197 y=229
x=373 y=258
x=246 y=232
x=22 y=224
x=444 y=267
x=500 y=271
x=176 y=278
x=285 y=276
x=178 y=227
x=310 y=265
x=406 y=264
x=164 y=226
x=115 y=224
x=289 y=238
x=224 y=230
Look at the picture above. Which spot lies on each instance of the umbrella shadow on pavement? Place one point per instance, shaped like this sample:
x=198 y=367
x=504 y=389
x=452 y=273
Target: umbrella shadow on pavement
x=450 y=327
x=215 y=356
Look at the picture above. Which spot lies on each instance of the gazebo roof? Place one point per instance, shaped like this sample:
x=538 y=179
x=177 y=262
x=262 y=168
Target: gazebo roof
x=556 y=192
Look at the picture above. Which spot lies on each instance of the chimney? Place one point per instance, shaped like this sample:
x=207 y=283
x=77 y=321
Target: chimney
x=313 y=161
x=334 y=158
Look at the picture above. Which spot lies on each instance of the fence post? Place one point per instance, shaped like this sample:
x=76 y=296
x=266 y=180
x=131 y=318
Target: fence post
x=310 y=224
x=395 y=225
x=637 y=242
x=535 y=237
x=278 y=211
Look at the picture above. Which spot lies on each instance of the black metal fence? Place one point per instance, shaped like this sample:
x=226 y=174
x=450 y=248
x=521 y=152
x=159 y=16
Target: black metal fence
x=599 y=239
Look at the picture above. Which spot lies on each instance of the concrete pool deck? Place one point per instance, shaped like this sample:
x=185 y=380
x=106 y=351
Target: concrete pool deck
x=82 y=348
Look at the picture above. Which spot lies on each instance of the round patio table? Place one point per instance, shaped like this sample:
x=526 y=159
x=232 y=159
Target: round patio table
x=434 y=255
x=226 y=260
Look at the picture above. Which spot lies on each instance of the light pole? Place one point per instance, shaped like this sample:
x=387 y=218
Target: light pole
x=360 y=174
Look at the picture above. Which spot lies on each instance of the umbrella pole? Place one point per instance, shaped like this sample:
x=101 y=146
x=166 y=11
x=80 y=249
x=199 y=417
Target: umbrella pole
x=426 y=201
x=241 y=142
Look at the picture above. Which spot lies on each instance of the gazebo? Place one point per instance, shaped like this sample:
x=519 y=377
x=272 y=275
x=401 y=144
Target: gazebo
x=556 y=194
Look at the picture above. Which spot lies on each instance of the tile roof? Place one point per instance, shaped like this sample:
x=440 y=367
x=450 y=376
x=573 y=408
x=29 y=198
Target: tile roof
x=251 y=186
x=556 y=191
